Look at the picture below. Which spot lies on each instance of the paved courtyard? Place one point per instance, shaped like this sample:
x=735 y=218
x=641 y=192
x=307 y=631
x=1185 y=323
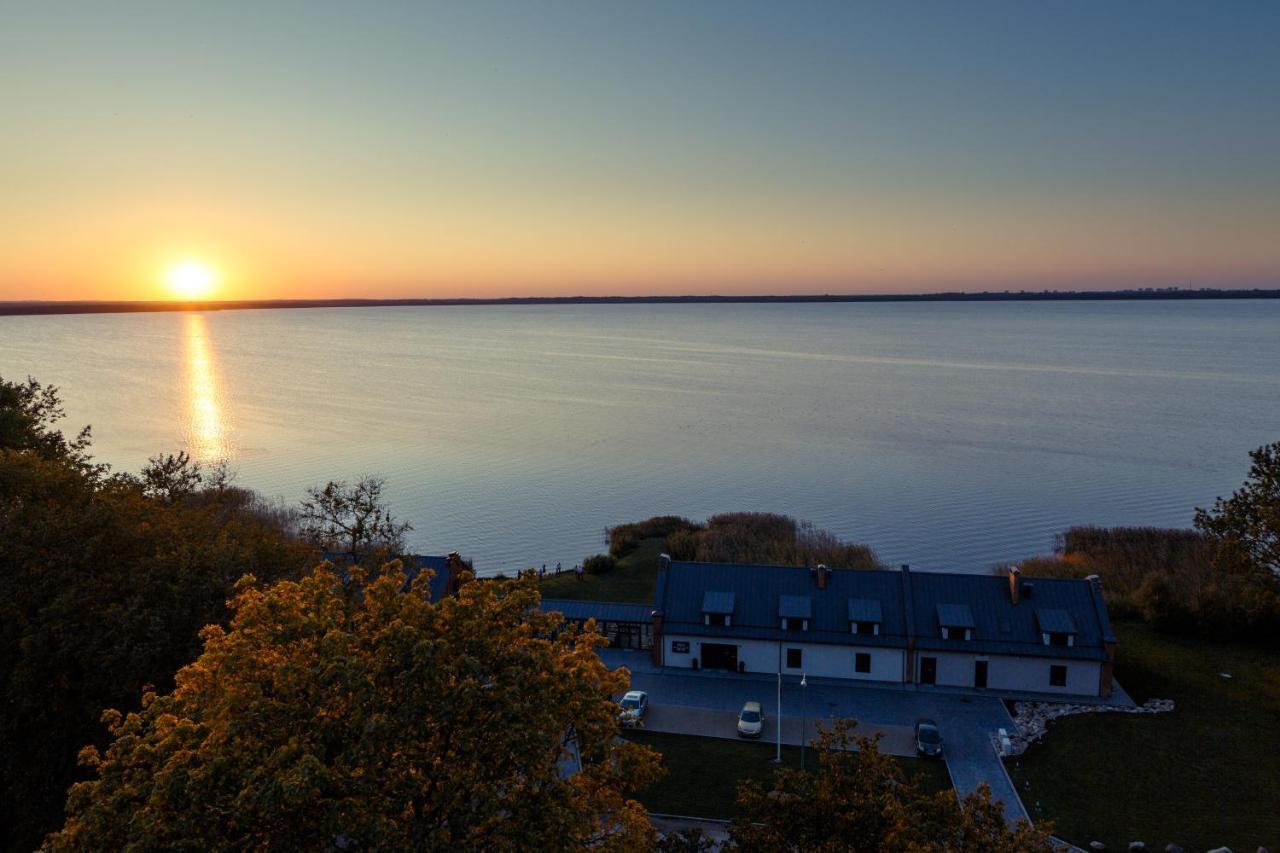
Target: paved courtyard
x=706 y=703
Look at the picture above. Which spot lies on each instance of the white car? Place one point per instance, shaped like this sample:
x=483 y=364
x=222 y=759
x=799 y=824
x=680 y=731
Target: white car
x=633 y=706
x=750 y=720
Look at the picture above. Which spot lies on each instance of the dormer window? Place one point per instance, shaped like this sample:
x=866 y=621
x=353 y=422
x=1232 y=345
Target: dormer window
x=956 y=621
x=864 y=616
x=717 y=608
x=1056 y=627
x=794 y=612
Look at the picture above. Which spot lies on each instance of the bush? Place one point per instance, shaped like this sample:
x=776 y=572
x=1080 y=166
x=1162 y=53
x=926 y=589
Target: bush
x=1168 y=579
x=767 y=538
x=624 y=538
x=599 y=564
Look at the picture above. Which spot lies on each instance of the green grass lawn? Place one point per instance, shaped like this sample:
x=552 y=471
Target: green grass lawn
x=1205 y=775
x=634 y=579
x=703 y=772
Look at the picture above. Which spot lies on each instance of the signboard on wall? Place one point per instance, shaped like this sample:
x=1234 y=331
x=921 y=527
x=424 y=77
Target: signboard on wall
x=680 y=647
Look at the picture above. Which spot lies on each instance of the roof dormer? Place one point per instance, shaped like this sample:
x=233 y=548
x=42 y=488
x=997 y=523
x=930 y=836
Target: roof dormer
x=1056 y=627
x=794 y=612
x=717 y=608
x=956 y=621
x=865 y=616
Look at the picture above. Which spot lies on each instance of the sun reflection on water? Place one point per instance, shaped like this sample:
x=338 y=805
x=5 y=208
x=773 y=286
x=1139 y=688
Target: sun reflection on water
x=206 y=428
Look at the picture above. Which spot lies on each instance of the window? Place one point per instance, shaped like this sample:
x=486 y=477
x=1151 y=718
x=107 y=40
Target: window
x=862 y=662
x=1059 y=638
x=949 y=633
x=717 y=619
x=793 y=659
x=1057 y=676
x=795 y=623
x=865 y=628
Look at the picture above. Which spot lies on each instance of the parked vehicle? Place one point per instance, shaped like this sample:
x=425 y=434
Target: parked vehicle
x=750 y=720
x=633 y=707
x=928 y=738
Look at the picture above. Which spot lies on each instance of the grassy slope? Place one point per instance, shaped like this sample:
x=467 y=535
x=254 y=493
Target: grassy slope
x=1207 y=774
x=634 y=579
x=703 y=773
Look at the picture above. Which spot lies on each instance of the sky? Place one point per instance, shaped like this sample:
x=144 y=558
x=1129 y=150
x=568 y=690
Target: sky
x=485 y=149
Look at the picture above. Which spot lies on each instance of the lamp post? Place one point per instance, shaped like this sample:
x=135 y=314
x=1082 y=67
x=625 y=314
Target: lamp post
x=777 y=759
x=804 y=733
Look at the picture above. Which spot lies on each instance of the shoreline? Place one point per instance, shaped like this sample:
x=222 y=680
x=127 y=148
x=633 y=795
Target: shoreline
x=38 y=308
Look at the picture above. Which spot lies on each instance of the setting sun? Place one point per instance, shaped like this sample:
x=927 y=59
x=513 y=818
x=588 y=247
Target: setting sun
x=191 y=279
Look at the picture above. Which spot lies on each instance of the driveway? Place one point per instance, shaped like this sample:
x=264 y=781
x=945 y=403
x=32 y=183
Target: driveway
x=706 y=703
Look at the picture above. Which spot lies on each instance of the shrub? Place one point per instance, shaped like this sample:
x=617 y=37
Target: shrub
x=624 y=538
x=599 y=564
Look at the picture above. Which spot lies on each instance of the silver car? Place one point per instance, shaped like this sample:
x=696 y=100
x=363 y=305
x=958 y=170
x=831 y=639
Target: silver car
x=928 y=739
x=750 y=720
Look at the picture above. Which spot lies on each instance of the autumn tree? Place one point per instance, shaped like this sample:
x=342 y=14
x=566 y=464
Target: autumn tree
x=859 y=799
x=353 y=519
x=339 y=712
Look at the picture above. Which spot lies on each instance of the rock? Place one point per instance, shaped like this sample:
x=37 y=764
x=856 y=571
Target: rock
x=1097 y=845
x=1136 y=846
x=1172 y=848
x=1220 y=850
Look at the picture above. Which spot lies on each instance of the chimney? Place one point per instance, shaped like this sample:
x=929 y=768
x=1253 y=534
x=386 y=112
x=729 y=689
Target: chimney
x=822 y=576
x=1014 y=574
x=455 y=567
x=656 y=649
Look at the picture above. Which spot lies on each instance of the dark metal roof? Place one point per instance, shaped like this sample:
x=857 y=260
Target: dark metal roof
x=717 y=602
x=413 y=566
x=795 y=606
x=601 y=611
x=908 y=602
x=864 y=610
x=1055 y=621
x=758 y=591
x=955 y=616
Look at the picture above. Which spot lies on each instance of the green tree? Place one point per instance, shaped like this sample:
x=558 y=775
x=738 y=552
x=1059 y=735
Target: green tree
x=860 y=800
x=338 y=712
x=104 y=589
x=353 y=518
x=1245 y=528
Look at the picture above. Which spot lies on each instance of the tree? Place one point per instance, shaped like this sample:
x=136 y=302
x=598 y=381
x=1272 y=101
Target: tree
x=359 y=715
x=28 y=411
x=104 y=589
x=171 y=477
x=1245 y=528
x=352 y=519
x=860 y=800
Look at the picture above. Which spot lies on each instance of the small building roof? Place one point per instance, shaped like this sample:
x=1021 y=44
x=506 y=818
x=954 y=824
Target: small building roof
x=955 y=616
x=1054 y=621
x=717 y=602
x=865 y=610
x=795 y=606
x=601 y=611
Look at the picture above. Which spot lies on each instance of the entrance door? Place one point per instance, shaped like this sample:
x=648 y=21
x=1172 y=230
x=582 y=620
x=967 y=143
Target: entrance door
x=719 y=656
x=979 y=673
x=928 y=670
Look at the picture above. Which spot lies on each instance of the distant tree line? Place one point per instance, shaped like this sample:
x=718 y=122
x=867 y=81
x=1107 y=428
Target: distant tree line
x=1220 y=579
x=744 y=537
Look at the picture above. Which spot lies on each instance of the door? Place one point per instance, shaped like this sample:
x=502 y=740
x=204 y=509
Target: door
x=979 y=673
x=928 y=670
x=719 y=656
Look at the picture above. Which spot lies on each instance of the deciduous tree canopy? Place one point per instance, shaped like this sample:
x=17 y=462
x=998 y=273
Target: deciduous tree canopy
x=858 y=801
x=340 y=713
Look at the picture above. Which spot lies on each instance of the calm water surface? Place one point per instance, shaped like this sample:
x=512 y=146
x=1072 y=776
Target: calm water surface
x=948 y=435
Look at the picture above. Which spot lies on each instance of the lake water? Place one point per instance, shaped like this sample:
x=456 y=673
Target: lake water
x=946 y=435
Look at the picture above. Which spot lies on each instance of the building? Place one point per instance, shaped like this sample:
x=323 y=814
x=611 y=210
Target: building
x=447 y=571
x=992 y=632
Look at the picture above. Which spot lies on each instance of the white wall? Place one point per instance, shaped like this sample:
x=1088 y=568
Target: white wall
x=1015 y=673
x=816 y=659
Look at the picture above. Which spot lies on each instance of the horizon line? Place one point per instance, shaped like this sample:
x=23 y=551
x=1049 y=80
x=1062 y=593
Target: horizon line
x=101 y=306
